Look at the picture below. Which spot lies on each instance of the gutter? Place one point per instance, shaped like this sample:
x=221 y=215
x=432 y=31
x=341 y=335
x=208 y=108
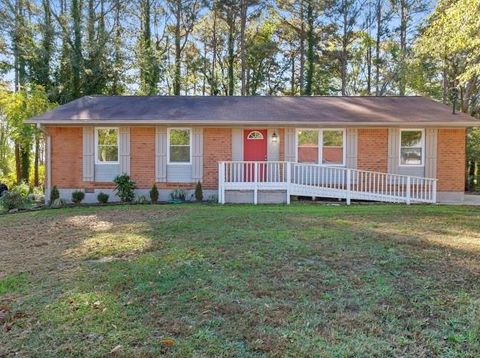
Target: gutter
x=217 y=123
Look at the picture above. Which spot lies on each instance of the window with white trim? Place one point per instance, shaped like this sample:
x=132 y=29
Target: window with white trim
x=179 y=148
x=106 y=145
x=325 y=146
x=412 y=147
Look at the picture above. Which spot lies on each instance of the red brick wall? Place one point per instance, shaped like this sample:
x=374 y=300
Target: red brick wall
x=372 y=155
x=67 y=156
x=217 y=146
x=142 y=156
x=451 y=160
x=373 y=149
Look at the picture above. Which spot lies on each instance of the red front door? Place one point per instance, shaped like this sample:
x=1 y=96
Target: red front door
x=254 y=149
x=255 y=144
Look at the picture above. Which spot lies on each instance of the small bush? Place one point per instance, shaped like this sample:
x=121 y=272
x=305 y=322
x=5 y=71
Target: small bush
x=178 y=194
x=54 y=194
x=102 y=198
x=198 y=192
x=58 y=203
x=3 y=188
x=154 y=194
x=125 y=188
x=212 y=199
x=78 y=196
x=23 y=189
x=13 y=200
x=142 y=199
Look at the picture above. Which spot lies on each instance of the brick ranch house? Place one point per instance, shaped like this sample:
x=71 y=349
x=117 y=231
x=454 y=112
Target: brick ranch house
x=259 y=149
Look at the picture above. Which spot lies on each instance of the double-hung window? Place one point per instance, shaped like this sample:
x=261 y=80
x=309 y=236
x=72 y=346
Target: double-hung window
x=321 y=146
x=106 y=145
x=179 y=146
x=412 y=147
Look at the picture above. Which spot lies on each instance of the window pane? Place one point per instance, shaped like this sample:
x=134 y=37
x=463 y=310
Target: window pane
x=332 y=155
x=107 y=137
x=411 y=139
x=179 y=137
x=411 y=156
x=308 y=146
x=179 y=154
x=332 y=138
x=107 y=150
x=107 y=153
x=332 y=150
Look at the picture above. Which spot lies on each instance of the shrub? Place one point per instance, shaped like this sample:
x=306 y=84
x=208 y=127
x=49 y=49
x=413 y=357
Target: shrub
x=54 y=194
x=178 y=194
x=13 y=200
x=78 y=196
x=154 y=194
x=23 y=189
x=102 y=198
x=125 y=188
x=142 y=199
x=198 y=192
x=3 y=188
x=58 y=203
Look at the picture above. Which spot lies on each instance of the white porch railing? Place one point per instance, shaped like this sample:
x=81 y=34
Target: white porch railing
x=323 y=181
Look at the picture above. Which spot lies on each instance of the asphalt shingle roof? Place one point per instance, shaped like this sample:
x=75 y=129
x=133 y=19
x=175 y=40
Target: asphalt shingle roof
x=288 y=110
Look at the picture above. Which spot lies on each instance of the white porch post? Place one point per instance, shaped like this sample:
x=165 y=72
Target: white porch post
x=434 y=194
x=289 y=179
x=349 y=186
x=255 y=187
x=221 y=178
x=408 y=190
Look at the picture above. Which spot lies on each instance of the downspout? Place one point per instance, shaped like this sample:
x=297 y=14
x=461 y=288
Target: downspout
x=48 y=167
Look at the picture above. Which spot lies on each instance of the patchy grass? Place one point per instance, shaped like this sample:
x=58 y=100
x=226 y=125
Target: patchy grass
x=12 y=283
x=201 y=280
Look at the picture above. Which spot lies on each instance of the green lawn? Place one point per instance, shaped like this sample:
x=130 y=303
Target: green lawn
x=207 y=280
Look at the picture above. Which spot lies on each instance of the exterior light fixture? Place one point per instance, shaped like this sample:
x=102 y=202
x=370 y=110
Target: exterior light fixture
x=274 y=137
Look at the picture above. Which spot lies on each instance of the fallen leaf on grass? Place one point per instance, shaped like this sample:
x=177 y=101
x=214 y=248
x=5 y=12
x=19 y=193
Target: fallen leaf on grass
x=116 y=349
x=168 y=342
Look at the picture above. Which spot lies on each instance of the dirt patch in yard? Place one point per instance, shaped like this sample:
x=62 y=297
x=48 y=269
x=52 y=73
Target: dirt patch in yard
x=58 y=239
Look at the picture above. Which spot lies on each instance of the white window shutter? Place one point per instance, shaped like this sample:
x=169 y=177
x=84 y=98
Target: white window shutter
x=124 y=150
x=88 y=154
x=431 y=140
x=197 y=154
x=393 y=150
x=351 y=147
x=290 y=144
x=161 y=154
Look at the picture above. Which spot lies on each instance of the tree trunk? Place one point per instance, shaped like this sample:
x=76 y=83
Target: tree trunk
x=231 y=54
x=18 y=163
x=377 y=47
x=178 y=48
x=369 y=51
x=292 y=78
x=302 y=47
x=310 y=50
x=403 y=47
x=77 y=50
x=36 y=177
x=25 y=166
x=213 y=85
x=343 y=59
x=243 y=24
